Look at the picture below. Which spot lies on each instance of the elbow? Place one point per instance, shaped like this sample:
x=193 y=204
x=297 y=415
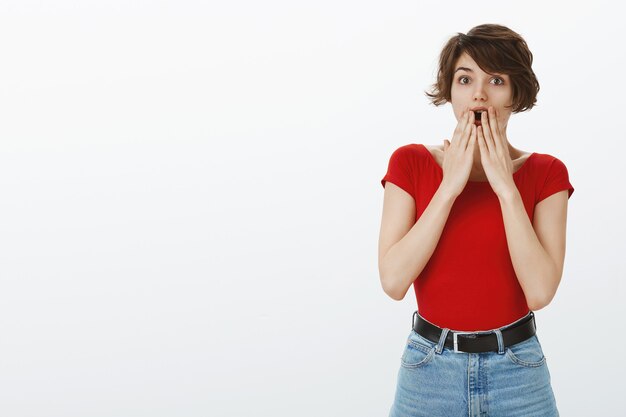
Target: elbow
x=539 y=302
x=391 y=282
x=534 y=306
x=543 y=299
x=396 y=295
x=392 y=291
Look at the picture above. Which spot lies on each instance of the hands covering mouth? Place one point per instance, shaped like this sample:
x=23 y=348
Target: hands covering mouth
x=477 y=117
x=477 y=111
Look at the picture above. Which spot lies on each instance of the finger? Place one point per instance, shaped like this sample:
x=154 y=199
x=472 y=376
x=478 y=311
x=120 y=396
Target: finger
x=481 y=143
x=460 y=127
x=472 y=144
x=495 y=133
x=472 y=139
x=486 y=132
x=481 y=138
x=459 y=124
x=464 y=126
x=501 y=127
x=468 y=129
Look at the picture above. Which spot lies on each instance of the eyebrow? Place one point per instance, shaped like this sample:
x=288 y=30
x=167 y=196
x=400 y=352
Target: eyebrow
x=463 y=68
x=471 y=70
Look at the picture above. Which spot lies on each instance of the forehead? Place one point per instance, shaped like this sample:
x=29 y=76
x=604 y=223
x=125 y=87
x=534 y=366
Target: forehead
x=464 y=58
x=467 y=61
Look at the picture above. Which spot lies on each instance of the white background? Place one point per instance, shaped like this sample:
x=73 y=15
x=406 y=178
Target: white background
x=191 y=200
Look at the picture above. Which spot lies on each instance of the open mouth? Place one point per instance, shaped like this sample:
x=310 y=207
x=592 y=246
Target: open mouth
x=477 y=118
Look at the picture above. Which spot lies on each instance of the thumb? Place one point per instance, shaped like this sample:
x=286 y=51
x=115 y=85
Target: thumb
x=446 y=144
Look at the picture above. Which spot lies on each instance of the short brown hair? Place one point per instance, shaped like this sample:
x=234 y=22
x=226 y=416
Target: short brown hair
x=495 y=48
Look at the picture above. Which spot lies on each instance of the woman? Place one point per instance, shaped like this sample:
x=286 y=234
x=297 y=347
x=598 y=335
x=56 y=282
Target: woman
x=477 y=226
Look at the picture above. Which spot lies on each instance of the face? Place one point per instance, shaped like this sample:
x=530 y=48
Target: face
x=471 y=87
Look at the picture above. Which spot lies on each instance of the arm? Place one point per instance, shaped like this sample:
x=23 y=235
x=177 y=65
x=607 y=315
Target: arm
x=537 y=250
x=404 y=247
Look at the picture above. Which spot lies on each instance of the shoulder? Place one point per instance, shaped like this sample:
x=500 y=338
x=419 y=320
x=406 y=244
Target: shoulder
x=418 y=151
x=409 y=154
x=409 y=149
x=551 y=175
x=434 y=150
x=545 y=162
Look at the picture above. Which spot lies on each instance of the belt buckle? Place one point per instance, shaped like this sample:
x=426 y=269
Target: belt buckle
x=456 y=342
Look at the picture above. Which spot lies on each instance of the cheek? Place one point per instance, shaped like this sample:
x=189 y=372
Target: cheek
x=502 y=121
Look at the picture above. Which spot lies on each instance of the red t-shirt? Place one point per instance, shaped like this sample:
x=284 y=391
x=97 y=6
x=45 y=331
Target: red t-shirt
x=469 y=283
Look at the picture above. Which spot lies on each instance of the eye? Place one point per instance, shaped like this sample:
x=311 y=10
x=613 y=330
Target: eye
x=461 y=78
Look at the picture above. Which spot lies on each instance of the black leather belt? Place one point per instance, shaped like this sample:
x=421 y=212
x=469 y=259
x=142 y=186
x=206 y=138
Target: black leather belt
x=476 y=342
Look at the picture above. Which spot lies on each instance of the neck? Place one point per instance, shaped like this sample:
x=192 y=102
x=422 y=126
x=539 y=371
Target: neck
x=477 y=166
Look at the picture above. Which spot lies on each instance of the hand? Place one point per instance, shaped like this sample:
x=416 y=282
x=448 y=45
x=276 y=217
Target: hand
x=494 y=153
x=458 y=156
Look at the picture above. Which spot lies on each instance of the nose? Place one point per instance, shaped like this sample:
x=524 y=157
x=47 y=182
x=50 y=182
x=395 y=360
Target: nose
x=479 y=93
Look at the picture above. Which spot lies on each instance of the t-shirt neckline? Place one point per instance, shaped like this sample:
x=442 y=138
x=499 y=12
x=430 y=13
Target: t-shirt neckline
x=470 y=181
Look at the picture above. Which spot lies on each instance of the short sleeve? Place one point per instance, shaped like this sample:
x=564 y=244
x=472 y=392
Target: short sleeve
x=400 y=171
x=557 y=179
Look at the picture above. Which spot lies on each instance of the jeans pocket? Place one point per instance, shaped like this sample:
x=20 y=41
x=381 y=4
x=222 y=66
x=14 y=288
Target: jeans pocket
x=418 y=351
x=527 y=353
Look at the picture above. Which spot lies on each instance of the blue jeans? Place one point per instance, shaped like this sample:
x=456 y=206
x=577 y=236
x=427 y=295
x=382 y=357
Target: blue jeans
x=435 y=381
